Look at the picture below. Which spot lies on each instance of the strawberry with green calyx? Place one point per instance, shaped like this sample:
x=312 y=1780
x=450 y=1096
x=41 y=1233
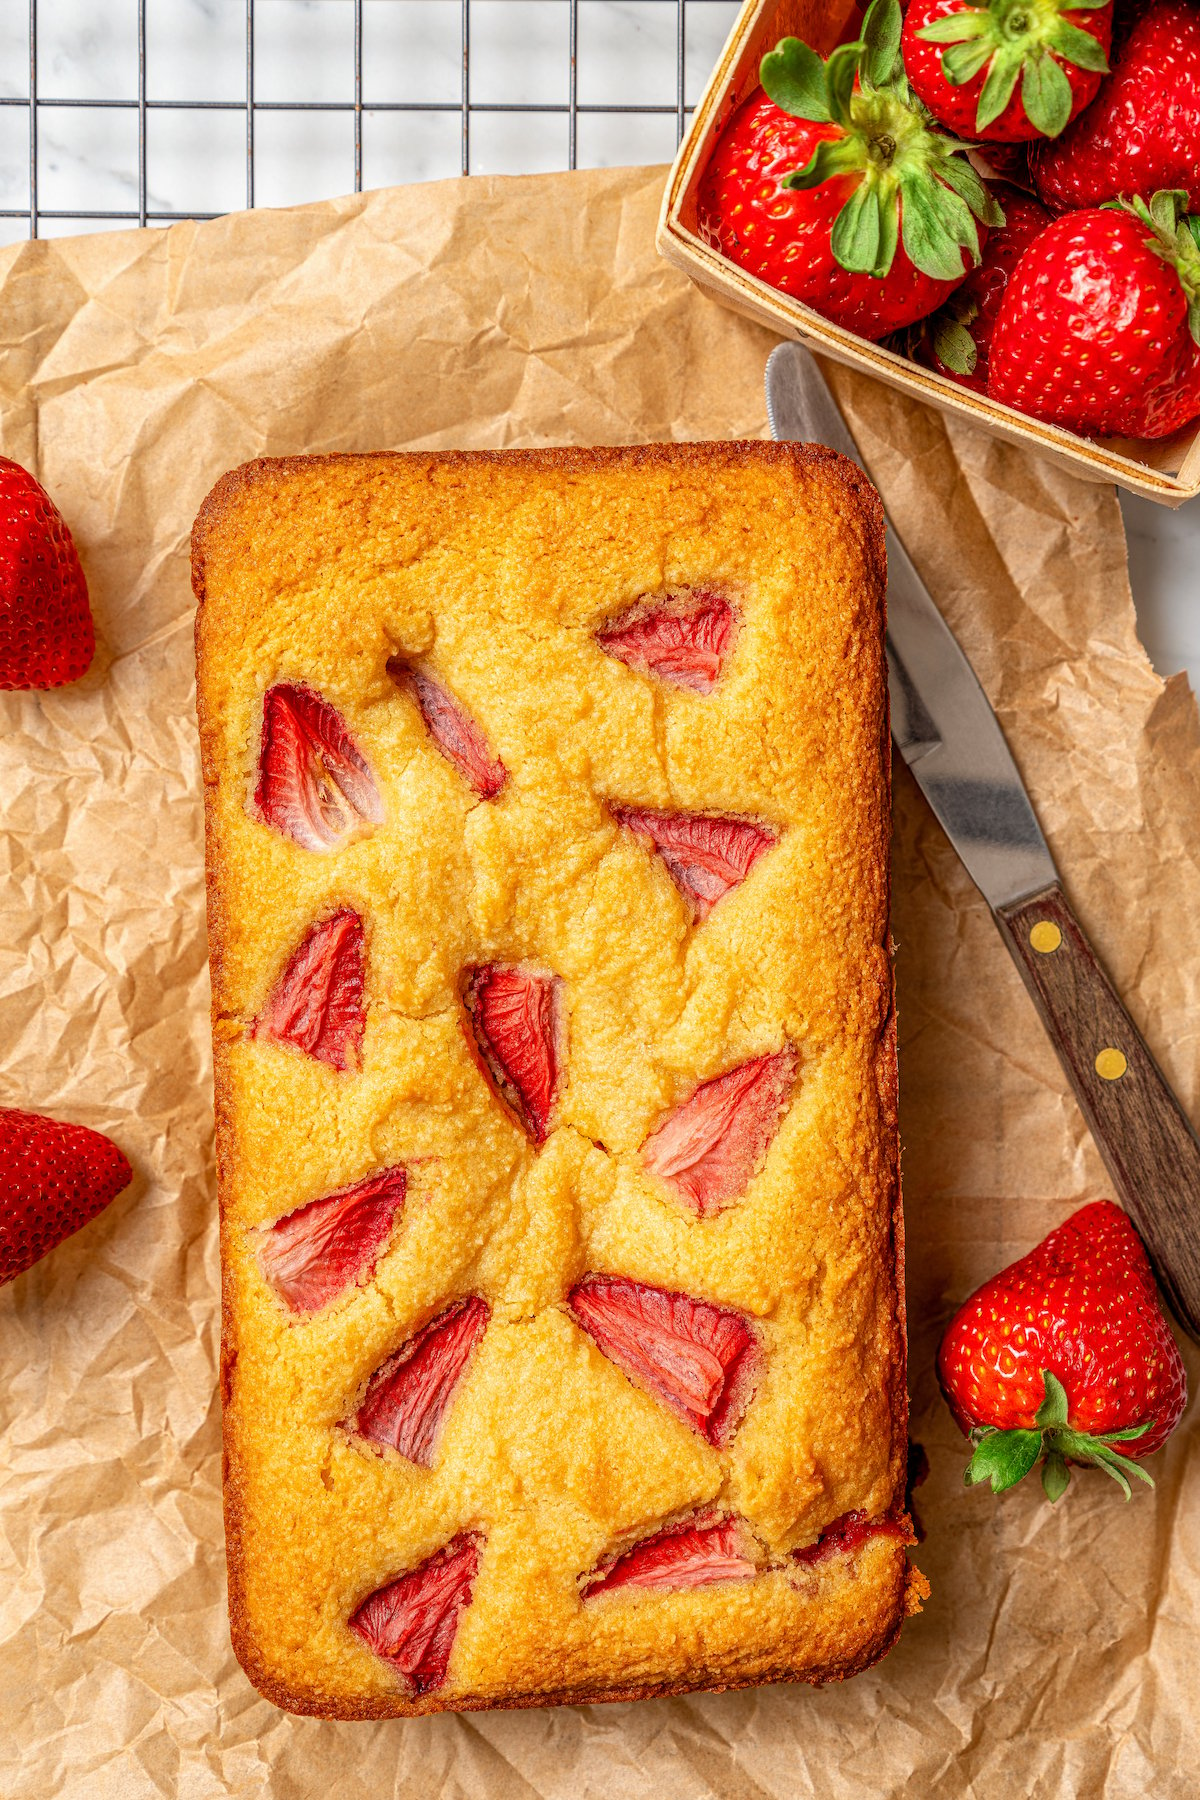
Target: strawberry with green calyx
x=956 y=340
x=1063 y=1355
x=1142 y=131
x=1099 y=329
x=1007 y=69
x=836 y=187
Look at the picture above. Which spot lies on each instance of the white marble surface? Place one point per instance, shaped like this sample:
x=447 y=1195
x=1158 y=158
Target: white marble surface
x=412 y=50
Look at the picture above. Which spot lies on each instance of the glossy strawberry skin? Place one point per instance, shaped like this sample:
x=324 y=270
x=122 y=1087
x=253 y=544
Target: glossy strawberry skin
x=46 y=632
x=956 y=107
x=977 y=302
x=783 y=235
x=1142 y=131
x=693 y=1553
x=54 y=1177
x=1092 y=332
x=1083 y=1305
x=700 y=1359
x=412 y=1622
x=684 y=641
x=316 y=1006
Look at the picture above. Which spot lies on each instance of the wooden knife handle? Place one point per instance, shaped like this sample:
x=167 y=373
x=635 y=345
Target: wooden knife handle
x=1142 y=1132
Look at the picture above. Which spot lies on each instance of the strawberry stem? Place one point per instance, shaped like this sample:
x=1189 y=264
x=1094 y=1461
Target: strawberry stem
x=1017 y=40
x=916 y=184
x=1006 y=1457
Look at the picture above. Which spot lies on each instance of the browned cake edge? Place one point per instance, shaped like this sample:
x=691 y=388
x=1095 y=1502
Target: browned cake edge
x=909 y=1585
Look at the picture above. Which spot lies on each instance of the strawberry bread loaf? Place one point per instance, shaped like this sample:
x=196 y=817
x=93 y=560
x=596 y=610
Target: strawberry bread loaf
x=547 y=836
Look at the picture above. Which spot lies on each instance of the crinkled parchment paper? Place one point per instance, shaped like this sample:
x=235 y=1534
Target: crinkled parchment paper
x=1058 y=1653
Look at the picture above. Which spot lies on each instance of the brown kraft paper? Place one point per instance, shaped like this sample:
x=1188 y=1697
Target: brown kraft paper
x=1056 y=1655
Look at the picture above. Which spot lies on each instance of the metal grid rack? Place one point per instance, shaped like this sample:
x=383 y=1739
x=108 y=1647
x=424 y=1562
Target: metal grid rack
x=360 y=16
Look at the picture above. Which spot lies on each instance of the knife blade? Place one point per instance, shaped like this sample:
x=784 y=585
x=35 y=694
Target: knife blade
x=942 y=720
x=947 y=733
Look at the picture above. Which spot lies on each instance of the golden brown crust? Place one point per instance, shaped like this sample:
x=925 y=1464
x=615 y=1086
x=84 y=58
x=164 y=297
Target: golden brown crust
x=905 y=1586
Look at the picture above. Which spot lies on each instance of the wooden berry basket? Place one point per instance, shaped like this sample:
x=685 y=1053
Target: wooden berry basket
x=1168 y=471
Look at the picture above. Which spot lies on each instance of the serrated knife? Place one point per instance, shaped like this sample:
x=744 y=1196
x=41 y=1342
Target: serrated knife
x=944 y=728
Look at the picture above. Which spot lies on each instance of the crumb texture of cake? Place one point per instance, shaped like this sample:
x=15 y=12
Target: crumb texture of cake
x=547 y=814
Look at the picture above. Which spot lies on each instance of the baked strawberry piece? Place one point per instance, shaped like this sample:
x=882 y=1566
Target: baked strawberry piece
x=694 y=1553
x=710 y=1147
x=412 y=1622
x=1063 y=1355
x=847 y=1533
x=1142 y=132
x=684 y=640
x=1099 y=329
x=317 y=1004
x=834 y=186
x=46 y=632
x=312 y=1255
x=451 y=728
x=707 y=855
x=408 y=1398
x=699 y=1359
x=514 y=1029
x=1006 y=69
x=54 y=1177
x=314 y=784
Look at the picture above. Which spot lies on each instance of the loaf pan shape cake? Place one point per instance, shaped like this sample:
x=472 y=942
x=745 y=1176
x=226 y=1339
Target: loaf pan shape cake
x=547 y=809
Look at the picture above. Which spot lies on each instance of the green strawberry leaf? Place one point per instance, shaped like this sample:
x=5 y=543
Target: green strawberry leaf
x=958 y=174
x=1053 y=1410
x=962 y=62
x=955 y=28
x=1004 y=1458
x=1078 y=47
x=1128 y=1431
x=858 y=229
x=998 y=88
x=794 y=78
x=832 y=156
x=1056 y=1476
x=841 y=71
x=881 y=28
x=936 y=227
x=1045 y=95
x=954 y=347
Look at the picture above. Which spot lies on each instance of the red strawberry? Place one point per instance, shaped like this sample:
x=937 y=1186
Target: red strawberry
x=412 y=1621
x=965 y=61
x=691 y=1554
x=956 y=340
x=317 y=1003
x=707 y=855
x=1100 y=327
x=456 y=734
x=847 y=1533
x=46 y=633
x=1063 y=1354
x=313 y=783
x=53 y=1179
x=683 y=640
x=1142 y=132
x=701 y=1360
x=312 y=1254
x=407 y=1399
x=514 y=1029
x=709 y=1147
x=847 y=198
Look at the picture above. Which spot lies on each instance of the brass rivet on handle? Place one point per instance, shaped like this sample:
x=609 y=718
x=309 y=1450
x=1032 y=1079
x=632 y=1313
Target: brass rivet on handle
x=1045 y=937
x=1111 y=1064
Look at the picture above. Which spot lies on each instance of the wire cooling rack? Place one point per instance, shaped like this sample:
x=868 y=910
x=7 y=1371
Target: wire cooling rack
x=105 y=119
